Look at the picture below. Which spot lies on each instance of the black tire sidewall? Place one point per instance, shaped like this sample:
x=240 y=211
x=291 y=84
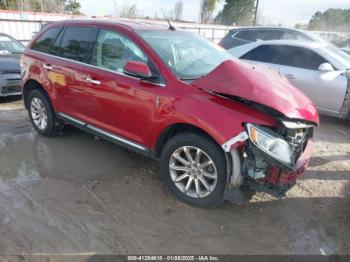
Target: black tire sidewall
x=49 y=130
x=215 y=153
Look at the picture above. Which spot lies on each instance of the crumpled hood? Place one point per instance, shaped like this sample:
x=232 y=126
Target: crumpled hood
x=259 y=85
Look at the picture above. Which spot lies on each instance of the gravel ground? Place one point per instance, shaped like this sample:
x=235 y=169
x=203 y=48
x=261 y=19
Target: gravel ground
x=75 y=194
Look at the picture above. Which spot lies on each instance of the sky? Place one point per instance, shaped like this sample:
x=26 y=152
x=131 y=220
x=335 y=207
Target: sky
x=285 y=12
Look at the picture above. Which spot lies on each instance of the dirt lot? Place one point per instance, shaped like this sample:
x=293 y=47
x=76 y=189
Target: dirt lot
x=77 y=194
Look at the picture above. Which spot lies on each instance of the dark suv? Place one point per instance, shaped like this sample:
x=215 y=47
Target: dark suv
x=10 y=51
x=171 y=95
x=245 y=35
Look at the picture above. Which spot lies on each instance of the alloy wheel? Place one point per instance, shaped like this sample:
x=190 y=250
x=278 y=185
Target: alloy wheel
x=38 y=112
x=193 y=171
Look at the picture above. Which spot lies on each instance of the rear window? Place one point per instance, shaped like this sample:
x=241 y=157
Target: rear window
x=77 y=42
x=45 y=41
x=263 y=53
x=245 y=35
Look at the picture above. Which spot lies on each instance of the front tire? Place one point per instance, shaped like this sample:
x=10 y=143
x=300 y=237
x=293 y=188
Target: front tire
x=41 y=114
x=194 y=169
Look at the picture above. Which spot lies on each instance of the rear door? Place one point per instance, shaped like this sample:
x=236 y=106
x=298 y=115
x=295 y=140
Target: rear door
x=41 y=64
x=69 y=71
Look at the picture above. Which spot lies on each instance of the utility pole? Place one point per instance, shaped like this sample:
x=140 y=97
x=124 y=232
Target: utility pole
x=256 y=11
x=42 y=5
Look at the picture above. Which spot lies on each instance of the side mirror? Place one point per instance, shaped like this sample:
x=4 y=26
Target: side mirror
x=325 y=67
x=137 y=69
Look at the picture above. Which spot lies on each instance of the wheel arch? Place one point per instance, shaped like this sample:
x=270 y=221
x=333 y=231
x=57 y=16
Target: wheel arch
x=176 y=128
x=29 y=86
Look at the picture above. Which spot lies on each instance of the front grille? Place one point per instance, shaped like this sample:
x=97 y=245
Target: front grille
x=10 y=89
x=13 y=82
x=11 y=86
x=10 y=71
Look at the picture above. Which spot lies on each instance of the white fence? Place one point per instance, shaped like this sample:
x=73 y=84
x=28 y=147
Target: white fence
x=23 y=25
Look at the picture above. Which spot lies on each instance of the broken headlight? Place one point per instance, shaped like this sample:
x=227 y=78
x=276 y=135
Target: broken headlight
x=270 y=143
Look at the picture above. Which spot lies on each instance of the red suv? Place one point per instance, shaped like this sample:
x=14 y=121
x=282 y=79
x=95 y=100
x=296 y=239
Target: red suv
x=210 y=119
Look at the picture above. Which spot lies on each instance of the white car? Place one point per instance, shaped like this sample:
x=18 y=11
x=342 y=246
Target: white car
x=320 y=70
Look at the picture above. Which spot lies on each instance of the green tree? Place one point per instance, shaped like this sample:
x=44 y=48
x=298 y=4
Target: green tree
x=53 y=6
x=207 y=9
x=129 y=11
x=239 y=12
x=331 y=20
x=6 y=4
x=178 y=10
x=72 y=7
x=28 y=5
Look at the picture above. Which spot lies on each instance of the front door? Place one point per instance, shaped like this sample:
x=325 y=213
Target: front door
x=118 y=103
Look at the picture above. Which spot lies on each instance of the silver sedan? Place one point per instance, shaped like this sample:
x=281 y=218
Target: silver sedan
x=320 y=70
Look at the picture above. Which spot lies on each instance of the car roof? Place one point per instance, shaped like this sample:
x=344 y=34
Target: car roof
x=266 y=28
x=131 y=25
x=307 y=44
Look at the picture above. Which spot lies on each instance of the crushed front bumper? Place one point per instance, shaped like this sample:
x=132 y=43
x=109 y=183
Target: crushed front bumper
x=259 y=167
x=276 y=175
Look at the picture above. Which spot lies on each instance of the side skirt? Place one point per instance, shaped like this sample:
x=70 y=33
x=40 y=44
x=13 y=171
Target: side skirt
x=108 y=136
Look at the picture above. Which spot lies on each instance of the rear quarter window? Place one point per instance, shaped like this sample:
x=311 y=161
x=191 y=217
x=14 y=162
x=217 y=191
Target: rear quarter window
x=45 y=41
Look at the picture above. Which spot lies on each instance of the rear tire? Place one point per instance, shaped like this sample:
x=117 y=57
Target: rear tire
x=42 y=115
x=181 y=163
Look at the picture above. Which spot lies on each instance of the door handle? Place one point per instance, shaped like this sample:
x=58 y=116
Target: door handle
x=93 y=81
x=47 y=67
x=290 y=76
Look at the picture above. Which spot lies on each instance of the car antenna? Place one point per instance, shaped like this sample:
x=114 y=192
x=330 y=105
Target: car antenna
x=171 y=27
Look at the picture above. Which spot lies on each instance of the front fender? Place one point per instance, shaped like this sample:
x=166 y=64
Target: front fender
x=220 y=118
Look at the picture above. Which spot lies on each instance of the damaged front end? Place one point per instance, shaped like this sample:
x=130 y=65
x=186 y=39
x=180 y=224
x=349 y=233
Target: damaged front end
x=271 y=152
x=273 y=155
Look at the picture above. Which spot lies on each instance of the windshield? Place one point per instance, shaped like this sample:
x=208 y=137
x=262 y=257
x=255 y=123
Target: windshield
x=10 y=46
x=339 y=55
x=188 y=55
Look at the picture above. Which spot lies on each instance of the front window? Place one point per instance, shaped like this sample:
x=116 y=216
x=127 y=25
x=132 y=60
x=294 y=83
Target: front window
x=10 y=46
x=189 y=56
x=113 y=50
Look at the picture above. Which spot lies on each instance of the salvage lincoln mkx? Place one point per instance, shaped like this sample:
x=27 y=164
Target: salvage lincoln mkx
x=172 y=95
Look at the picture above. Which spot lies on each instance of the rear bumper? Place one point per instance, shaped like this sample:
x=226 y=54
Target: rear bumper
x=278 y=176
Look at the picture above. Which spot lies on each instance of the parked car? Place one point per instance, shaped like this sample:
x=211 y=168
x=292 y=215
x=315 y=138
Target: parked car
x=172 y=95
x=320 y=70
x=10 y=51
x=245 y=35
